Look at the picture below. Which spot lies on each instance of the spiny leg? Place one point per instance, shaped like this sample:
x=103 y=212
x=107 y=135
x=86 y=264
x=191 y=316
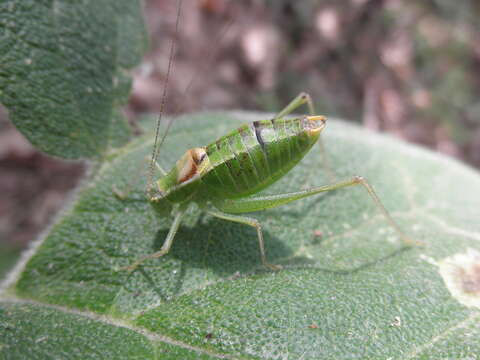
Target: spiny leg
x=251 y=222
x=166 y=245
x=251 y=204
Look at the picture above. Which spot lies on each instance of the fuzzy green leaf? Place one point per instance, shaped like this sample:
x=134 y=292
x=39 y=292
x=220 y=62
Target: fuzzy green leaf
x=33 y=331
x=348 y=288
x=63 y=65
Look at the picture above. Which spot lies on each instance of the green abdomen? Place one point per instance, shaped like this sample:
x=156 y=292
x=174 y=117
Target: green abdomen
x=255 y=155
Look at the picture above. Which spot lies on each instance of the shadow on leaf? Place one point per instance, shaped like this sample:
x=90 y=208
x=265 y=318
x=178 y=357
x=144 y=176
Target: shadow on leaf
x=226 y=249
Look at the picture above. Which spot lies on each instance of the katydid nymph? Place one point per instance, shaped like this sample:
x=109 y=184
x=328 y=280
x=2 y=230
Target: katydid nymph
x=223 y=177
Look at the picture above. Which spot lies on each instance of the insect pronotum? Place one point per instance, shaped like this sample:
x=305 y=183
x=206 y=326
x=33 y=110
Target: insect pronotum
x=223 y=177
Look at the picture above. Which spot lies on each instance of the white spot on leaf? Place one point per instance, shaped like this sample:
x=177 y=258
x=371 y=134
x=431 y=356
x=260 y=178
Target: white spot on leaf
x=461 y=274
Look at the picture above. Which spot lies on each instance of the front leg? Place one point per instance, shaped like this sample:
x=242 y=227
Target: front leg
x=166 y=245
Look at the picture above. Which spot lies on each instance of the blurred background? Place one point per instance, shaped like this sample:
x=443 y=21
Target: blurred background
x=409 y=68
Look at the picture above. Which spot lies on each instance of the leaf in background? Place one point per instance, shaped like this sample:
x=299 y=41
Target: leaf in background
x=353 y=292
x=63 y=65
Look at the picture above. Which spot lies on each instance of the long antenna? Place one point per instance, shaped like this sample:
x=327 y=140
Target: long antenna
x=157 y=144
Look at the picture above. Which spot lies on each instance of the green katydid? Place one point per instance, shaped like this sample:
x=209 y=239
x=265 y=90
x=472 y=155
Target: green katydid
x=223 y=177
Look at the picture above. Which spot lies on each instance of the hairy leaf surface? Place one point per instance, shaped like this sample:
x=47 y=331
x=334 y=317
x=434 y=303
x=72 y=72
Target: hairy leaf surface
x=63 y=71
x=349 y=289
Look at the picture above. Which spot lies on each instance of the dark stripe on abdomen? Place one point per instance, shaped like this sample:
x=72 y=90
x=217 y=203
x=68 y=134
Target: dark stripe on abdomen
x=256 y=152
x=258 y=133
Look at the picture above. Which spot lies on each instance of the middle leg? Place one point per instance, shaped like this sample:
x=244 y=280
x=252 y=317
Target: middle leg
x=251 y=222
